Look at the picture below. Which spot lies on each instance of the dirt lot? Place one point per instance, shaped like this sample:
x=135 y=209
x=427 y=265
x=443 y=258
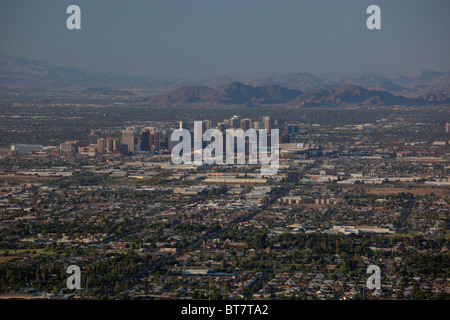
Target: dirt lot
x=417 y=191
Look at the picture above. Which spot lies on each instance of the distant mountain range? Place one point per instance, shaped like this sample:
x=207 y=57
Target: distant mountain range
x=28 y=74
x=15 y=71
x=427 y=81
x=230 y=93
x=301 y=89
x=238 y=93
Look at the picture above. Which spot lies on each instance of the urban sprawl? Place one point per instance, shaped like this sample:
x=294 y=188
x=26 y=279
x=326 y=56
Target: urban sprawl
x=346 y=196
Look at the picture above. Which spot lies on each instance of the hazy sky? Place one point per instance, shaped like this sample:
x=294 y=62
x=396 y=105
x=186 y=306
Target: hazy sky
x=230 y=37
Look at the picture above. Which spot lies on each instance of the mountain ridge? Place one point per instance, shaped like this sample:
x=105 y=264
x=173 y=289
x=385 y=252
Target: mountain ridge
x=238 y=93
x=426 y=86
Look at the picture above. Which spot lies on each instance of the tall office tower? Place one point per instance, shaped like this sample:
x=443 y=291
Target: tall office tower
x=268 y=124
x=164 y=142
x=112 y=144
x=128 y=140
x=206 y=124
x=447 y=127
x=245 y=124
x=155 y=141
x=145 y=140
x=221 y=126
x=101 y=146
x=116 y=144
x=151 y=140
x=257 y=125
x=234 y=122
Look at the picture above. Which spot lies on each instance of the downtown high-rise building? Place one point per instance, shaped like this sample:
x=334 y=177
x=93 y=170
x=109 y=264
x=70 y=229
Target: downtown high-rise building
x=145 y=140
x=246 y=124
x=221 y=126
x=234 y=122
x=206 y=125
x=257 y=125
x=112 y=144
x=268 y=124
x=101 y=146
x=128 y=142
x=150 y=140
x=155 y=140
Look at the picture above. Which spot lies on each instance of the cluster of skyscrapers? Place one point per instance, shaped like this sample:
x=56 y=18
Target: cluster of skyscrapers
x=267 y=123
x=150 y=140
x=155 y=141
x=103 y=145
